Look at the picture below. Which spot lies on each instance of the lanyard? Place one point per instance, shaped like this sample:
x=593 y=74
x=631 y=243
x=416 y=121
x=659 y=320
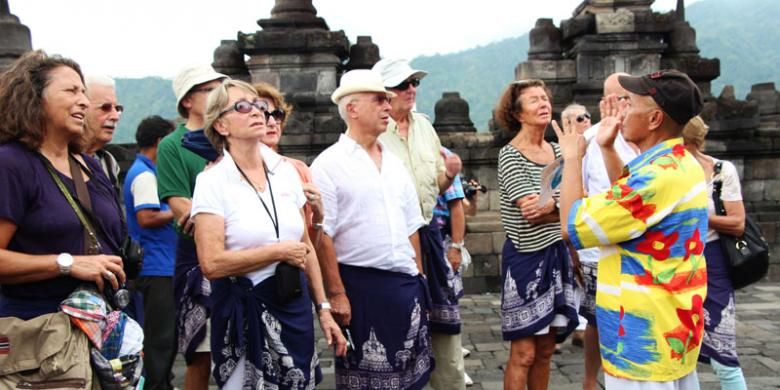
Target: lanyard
x=275 y=218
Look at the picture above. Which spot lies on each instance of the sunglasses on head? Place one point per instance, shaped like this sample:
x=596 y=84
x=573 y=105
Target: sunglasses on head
x=405 y=85
x=245 y=107
x=582 y=117
x=107 y=107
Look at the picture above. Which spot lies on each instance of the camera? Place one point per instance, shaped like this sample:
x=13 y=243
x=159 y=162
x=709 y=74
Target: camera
x=118 y=299
x=471 y=187
x=132 y=255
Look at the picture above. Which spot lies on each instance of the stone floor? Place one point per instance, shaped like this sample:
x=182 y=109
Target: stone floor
x=758 y=340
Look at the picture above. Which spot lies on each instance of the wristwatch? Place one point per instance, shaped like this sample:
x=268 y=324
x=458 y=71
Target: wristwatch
x=323 y=306
x=64 y=262
x=457 y=245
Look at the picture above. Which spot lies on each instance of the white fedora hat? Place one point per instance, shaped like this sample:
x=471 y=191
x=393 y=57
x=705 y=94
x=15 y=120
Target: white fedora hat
x=396 y=71
x=359 y=80
x=190 y=77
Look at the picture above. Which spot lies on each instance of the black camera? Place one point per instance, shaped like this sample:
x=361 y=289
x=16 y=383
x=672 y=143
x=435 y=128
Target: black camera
x=118 y=299
x=132 y=255
x=471 y=187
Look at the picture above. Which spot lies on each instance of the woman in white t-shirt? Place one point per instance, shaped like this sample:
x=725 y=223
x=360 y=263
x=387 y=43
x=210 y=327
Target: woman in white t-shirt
x=719 y=346
x=252 y=245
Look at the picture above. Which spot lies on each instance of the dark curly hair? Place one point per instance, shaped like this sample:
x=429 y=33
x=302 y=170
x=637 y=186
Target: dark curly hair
x=509 y=104
x=21 y=98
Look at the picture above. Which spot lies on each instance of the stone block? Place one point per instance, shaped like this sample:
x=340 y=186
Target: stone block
x=479 y=243
x=622 y=21
x=753 y=190
x=485 y=265
x=765 y=168
x=772 y=189
x=326 y=81
x=498 y=242
x=298 y=81
x=558 y=70
x=495 y=202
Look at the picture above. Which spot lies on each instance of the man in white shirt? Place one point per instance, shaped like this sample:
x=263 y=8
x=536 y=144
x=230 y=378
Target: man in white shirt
x=370 y=252
x=596 y=179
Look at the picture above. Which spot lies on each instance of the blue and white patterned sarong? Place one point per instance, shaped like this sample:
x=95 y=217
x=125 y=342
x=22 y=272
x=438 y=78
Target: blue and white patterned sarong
x=276 y=341
x=389 y=329
x=191 y=292
x=442 y=285
x=537 y=287
x=720 y=321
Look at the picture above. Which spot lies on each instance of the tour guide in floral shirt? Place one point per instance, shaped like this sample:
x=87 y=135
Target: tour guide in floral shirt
x=650 y=226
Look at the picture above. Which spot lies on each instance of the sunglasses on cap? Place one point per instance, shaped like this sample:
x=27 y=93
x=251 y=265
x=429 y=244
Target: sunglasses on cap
x=107 y=107
x=245 y=107
x=582 y=117
x=405 y=85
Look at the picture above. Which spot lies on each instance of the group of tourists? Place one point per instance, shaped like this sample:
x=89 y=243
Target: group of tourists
x=244 y=247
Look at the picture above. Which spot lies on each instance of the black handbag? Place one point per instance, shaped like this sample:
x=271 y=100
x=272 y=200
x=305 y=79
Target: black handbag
x=748 y=254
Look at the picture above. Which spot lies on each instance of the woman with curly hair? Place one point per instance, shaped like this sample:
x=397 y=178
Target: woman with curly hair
x=44 y=252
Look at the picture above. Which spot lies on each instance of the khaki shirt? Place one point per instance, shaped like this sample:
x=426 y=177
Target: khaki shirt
x=421 y=156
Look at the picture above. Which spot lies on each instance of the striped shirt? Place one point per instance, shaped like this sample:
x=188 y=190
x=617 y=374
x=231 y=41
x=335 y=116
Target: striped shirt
x=519 y=177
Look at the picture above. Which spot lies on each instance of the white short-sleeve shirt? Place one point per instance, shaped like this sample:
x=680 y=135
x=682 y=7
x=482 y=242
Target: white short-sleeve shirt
x=731 y=190
x=369 y=213
x=594 y=173
x=222 y=190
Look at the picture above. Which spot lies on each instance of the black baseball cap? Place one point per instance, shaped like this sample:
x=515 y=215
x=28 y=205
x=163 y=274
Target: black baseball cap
x=673 y=91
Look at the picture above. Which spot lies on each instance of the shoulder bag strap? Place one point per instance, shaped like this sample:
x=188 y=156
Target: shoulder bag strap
x=717 y=186
x=91 y=242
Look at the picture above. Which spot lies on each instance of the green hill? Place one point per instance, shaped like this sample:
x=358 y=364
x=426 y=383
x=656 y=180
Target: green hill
x=739 y=32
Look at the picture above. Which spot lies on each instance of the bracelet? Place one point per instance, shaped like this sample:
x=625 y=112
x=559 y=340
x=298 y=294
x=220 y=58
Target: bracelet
x=450 y=178
x=317 y=226
x=457 y=245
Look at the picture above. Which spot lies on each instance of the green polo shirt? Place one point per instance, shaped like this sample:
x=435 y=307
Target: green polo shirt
x=420 y=153
x=177 y=167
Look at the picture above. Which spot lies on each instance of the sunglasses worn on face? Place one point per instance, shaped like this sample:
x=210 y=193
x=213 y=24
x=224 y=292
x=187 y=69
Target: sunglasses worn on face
x=405 y=85
x=278 y=115
x=245 y=107
x=107 y=107
x=582 y=117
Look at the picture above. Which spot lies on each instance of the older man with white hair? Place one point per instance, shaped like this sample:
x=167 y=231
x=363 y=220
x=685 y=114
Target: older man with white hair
x=370 y=252
x=412 y=138
x=101 y=121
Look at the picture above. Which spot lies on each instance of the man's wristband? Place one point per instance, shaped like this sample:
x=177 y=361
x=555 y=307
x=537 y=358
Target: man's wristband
x=457 y=245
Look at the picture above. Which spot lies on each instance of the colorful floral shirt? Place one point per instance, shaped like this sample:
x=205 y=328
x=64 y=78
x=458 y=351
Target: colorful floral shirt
x=652 y=277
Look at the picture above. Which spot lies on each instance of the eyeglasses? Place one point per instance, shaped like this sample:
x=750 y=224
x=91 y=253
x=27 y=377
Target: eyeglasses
x=107 y=107
x=203 y=89
x=405 y=85
x=278 y=115
x=245 y=107
x=582 y=117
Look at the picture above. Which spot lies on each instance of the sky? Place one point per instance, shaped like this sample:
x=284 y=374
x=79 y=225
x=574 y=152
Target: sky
x=139 y=38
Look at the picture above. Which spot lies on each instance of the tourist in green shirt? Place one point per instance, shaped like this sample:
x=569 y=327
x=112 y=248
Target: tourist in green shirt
x=177 y=169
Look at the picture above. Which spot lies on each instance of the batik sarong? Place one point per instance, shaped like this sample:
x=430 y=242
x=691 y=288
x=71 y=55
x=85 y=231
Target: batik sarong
x=445 y=312
x=191 y=291
x=389 y=329
x=720 y=333
x=590 y=270
x=276 y=341
x=538 y=286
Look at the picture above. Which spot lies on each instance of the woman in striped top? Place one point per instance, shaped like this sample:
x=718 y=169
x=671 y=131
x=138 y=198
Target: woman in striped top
x=537 y=301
